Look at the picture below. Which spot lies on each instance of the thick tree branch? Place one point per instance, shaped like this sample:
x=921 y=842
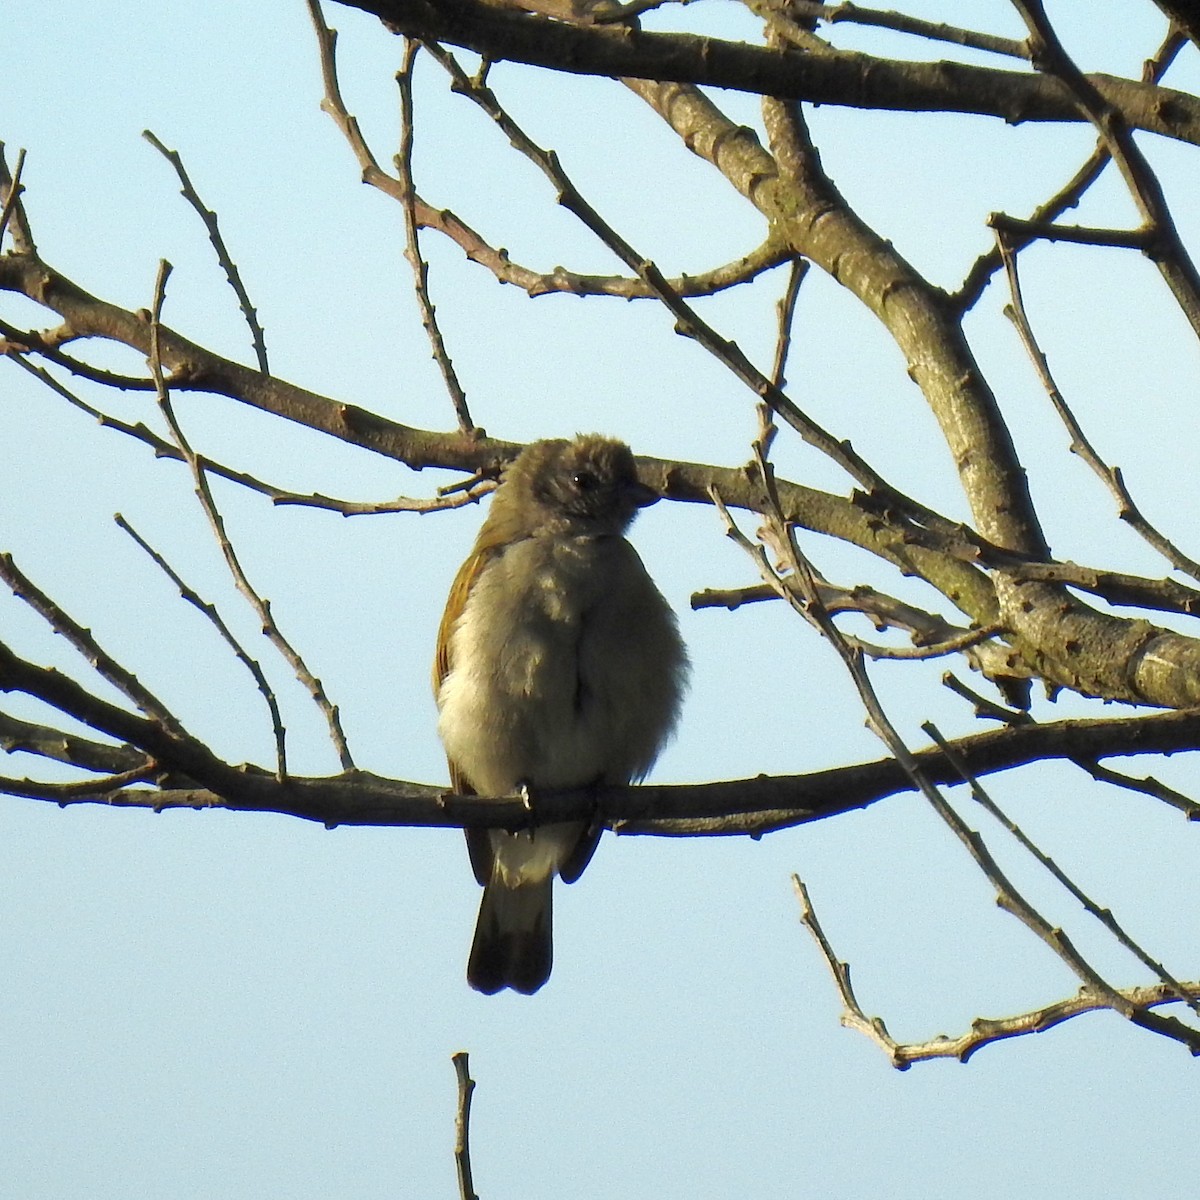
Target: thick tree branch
x=1068 y=643
x=1060 y=638
x=807 y=212
x=836 y=77
x=731 y=807
x=193 y=368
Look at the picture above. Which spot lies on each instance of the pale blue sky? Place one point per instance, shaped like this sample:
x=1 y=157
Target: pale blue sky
x=216 y=1005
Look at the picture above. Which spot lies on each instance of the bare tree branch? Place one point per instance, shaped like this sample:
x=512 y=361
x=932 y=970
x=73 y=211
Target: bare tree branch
x=1013 y=613
x=193 y=368
x=785 y=311
x=837 y=77
x=478 y=250
x=688 y=322
x=1112 y=478
x=751 y=806
x=1148 y=786
x=56 y=745
x=805 y=599
x=792 y=190
x=232 y=274
x=412 y=252
x=462 y=1127
x=209 y=610
x=986 y=709
x=900 y=22
x=984 y=1030
x=1103 y=915
x=1067 y=197
x=261 y=606
x=12 y=213
x=1165 y=247
x=82 y=640
x=1061 y=639
x=11 y=188
x=470 y=494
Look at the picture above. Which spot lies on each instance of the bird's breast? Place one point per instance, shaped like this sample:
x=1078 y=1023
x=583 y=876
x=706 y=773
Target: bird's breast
x=548 y=662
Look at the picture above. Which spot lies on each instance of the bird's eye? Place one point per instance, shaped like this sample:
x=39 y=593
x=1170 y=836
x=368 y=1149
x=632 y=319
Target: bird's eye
x=584 y=481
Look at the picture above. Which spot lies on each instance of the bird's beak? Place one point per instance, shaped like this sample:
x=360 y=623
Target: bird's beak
x=640 y=495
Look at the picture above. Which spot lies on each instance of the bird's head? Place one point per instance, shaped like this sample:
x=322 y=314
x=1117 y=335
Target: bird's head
x=586 y=486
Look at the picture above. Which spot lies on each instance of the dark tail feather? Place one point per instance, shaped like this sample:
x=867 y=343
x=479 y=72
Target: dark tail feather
x=513 y=944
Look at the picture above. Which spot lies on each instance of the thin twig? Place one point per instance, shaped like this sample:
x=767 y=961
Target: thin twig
x=334 y=106
x=608 y=13
x=1166 y=248
x=412 y=504
x=787 y=29
x=1013 y=902
x=903 y=23
x=1147 y=785
x=560 y=280
x=984 y=707
x=14 y=211
x=11 y=190
x=470 y=491
x=478 y=250
x=210 y=611
x=156 y=800
x=462 y=1126
x=412 y=250
x=232 y=274
x=1082 y=235
x=108 y=783
x=1103 y=915
x=853 y=1016
x=733 y=598
x=1127 y=509
x=98 y=659
x=785 y=309
x=1118 y=588
x=984 y=1030
x=1070 y=194
x=203 y=492
x=56 y=745
x=951 y=645
x=932 y=635
x=88 y=791
x=18 y=342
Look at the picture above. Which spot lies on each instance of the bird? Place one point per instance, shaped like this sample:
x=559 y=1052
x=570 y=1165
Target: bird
x=558 y=665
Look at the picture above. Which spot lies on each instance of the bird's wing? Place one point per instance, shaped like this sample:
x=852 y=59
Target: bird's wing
x=479 y=844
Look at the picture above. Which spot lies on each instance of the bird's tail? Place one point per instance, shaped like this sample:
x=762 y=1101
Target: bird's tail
x=513 y=944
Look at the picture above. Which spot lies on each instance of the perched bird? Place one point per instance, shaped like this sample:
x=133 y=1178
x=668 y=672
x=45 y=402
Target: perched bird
x=559 y=665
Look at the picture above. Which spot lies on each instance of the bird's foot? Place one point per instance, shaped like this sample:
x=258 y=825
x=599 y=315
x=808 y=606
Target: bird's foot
x=526 y=794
